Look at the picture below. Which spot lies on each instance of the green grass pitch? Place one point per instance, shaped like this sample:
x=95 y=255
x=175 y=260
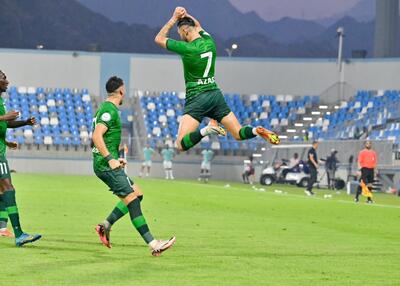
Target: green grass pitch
x=225 y=236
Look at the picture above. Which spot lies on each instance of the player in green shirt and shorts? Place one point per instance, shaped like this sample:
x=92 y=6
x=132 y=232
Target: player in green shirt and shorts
x=205 y=168
x=147 y=154
x=168 y=154
x=8 y=204
x=203 y=97
x=109 y=168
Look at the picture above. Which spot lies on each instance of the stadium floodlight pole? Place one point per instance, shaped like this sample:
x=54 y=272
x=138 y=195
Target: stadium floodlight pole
x=231 y=49
x=340 y=35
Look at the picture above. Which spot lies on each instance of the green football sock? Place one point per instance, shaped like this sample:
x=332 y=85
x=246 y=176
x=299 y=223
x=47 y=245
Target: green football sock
x=12 y=210
x=119 y=211
x=138 y=220
x=191 y=139
x=246 y=132
x=3 y=213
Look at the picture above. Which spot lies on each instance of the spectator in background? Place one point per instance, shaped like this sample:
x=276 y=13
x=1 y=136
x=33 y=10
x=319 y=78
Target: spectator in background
x=367 y=162
x=331 y=167
x=313 y=166
x=147 y=154
x=248 y=172
x=293 y=165
x=167 y=154
x=208 y=156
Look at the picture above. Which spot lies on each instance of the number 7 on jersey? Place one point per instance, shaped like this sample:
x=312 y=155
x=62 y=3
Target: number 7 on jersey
x=209 y=57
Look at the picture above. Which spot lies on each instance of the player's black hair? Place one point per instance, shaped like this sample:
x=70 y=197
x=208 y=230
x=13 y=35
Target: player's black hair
x=186 y=21
x=113 y=84
x=2 y=74
x=315 y=142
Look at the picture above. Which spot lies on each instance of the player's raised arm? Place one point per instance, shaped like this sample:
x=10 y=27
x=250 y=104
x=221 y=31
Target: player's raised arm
x=99 y=143
x=162 y=36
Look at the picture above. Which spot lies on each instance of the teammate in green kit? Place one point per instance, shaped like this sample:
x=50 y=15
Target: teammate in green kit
x=8 y=204
x=147 y=154
x=203 y=97
x=168 y=154
x=109 y=168
x=205 y=174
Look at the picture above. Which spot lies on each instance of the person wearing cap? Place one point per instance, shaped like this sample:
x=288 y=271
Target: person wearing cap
x=367 y=163
x=331 y=167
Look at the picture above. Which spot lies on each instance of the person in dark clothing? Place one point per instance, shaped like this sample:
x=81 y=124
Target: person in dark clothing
x=313 y=166
x=331 y=167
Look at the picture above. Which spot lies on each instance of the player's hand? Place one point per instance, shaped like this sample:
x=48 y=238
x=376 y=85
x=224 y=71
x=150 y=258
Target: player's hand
x=12 y=145
x=31 y=121
x=179 y=13
x=11 y=115
x=114 y=164
x=122 y=161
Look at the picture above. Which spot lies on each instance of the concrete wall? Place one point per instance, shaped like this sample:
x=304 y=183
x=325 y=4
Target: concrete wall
x=161 y=72
x=51 y=69
x=269 y=76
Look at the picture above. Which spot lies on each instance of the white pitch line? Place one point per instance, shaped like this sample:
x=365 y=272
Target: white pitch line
x=286 y=194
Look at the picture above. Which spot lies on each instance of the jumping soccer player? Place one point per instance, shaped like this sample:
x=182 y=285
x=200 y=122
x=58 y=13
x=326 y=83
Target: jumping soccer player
x=109 y=168
x=168 y=154
x=147 y=154
x=203 y=97
x=8 y=204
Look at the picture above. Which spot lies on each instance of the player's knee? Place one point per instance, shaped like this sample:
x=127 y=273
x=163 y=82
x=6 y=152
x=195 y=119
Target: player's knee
x=236 y=136
x=6 y=185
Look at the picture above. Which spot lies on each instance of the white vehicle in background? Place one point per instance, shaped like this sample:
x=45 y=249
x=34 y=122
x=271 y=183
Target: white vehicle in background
x=278 y=170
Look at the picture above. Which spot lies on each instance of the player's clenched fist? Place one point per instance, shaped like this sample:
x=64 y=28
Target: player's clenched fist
x=179 y=12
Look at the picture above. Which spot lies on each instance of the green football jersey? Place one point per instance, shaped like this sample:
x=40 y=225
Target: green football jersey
x=208 y=155
x=3 y=129
x=107 y=114
x=198 y=59
x=167 y=154
x=148 y=152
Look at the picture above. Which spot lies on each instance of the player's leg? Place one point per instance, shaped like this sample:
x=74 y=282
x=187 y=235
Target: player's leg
x=165 y=165
x=21 y=238
x=3 y=216
x=132 y=201
x=142 y=169
x=189 y=133
x=170 y=172
x=239 y=132
x=369 y=181
x=148 y=168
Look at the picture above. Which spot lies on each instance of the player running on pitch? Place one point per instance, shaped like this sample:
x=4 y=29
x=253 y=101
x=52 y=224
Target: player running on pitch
x=203 y=97
x=109 y=168
x=8 y=204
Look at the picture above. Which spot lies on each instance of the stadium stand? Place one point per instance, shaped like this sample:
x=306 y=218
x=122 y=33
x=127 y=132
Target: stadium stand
x=295 y=118
x=370 y=114
x=64 y=116
x=162 y=112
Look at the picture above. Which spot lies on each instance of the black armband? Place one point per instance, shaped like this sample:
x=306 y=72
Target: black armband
x=108 y=158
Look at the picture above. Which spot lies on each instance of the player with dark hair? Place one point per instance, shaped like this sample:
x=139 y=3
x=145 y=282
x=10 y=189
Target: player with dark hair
x=109 y=168
x=203 y=97
x=8 y=204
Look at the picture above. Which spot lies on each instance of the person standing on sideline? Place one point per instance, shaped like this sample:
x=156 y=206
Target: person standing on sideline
x=367 y=162
x=331 y=167
x=205 y=173
x=167 y=154
x=313 y=165
x=147 y=154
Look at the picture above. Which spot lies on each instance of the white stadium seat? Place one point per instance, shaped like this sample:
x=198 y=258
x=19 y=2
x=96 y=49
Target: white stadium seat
x=45 y=121
x=54 y=121
x=48 y=140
